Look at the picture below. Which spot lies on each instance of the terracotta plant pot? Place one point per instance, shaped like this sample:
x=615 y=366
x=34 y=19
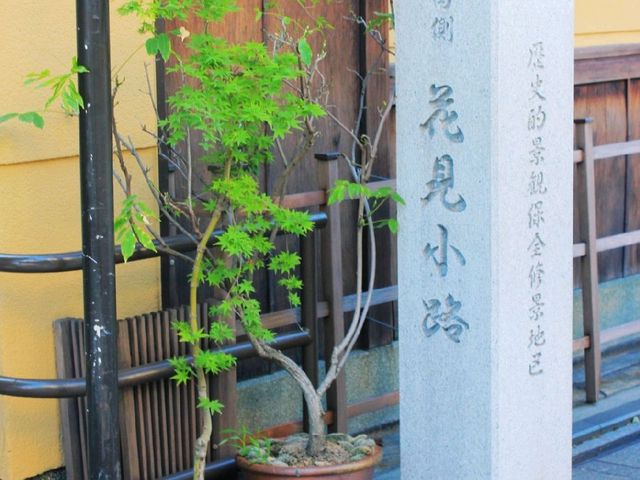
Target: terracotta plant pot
x=360 y=470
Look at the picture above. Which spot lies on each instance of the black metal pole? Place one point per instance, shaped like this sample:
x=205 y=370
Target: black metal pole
x=96 y=172
x=128 y=377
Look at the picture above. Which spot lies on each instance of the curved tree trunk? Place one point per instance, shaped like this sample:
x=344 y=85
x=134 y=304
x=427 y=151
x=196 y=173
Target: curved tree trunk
x=315 y=414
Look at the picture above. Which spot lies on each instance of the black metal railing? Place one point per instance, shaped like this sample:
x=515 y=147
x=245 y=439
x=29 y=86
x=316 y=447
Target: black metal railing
x=76 y=387
x=72 y=261
x=151 y=372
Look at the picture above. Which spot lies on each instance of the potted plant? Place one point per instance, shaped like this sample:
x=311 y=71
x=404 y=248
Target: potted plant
x=239 y=101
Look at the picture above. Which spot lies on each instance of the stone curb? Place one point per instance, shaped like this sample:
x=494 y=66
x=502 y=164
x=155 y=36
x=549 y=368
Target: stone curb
x=606 y=431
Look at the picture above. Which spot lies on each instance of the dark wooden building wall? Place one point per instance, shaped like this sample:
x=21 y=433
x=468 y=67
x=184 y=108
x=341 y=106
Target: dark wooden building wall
x=607 y=89
x=348 y=57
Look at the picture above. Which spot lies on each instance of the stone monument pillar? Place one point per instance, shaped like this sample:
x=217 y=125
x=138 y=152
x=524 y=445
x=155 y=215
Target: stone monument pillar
x=485 y=134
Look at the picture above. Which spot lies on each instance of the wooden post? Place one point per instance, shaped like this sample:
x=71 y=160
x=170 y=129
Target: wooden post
x=589 y=262
x=332 y=277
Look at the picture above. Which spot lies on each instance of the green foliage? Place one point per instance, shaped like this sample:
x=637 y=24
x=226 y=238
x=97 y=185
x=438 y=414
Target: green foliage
x=380 y=19
x=27 y=117
x=187 y=334
x=236 y=242
x=344 y=189
x=247 y=242
x=221 y=332
x=148 y=11
x=183 y=371
x=249 y=445
x=390 y=223
x=214 y=362
x=62 y=87
x=304 y=49
x=130 y=226
x=235 y=91
x=211 y=405
x=284 y=262
x=239 y=438
x=237 y=100
x=159 y=43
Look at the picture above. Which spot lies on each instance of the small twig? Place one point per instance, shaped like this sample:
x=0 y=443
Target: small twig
x=154 y=191
x=283 y=156
x=116 y=136
x=149 y=90
x=342 y=125
x=383 y=119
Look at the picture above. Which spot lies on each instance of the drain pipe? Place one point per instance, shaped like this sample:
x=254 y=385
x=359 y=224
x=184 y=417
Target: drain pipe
x=98 y=270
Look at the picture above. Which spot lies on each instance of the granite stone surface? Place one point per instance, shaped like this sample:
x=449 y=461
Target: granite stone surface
x=484 y=132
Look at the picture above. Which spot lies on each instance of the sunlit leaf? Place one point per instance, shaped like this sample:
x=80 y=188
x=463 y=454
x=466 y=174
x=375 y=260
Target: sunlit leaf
x=306 y=54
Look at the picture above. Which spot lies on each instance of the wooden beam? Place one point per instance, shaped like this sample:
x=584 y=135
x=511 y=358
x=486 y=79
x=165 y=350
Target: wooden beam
x=620 y=331
x=609 y=335
x=380 y=296
x=606 y=63
x=611 y=150
x=604 y=51
x=319 y=197
x=617 y=241
x=305 y=200
x=581 y=343
x=373 y=404
x=391 y=183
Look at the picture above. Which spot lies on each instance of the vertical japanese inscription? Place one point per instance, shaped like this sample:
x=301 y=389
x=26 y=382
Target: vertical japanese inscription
x=442 y=196
x=536 y=189
x=442 y=25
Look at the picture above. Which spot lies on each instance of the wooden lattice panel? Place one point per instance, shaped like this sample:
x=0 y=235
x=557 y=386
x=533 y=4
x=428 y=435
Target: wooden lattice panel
x=158 y=420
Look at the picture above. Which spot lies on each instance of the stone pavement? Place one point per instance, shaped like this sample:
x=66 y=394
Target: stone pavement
x=606 y=435
x=621 y=463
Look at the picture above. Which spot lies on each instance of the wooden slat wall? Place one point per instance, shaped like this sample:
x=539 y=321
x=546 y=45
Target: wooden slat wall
x=632 y=254
x=608 y=90
x=158 y=420
x=344 y=60
x=70 y=364
x=606 y=104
